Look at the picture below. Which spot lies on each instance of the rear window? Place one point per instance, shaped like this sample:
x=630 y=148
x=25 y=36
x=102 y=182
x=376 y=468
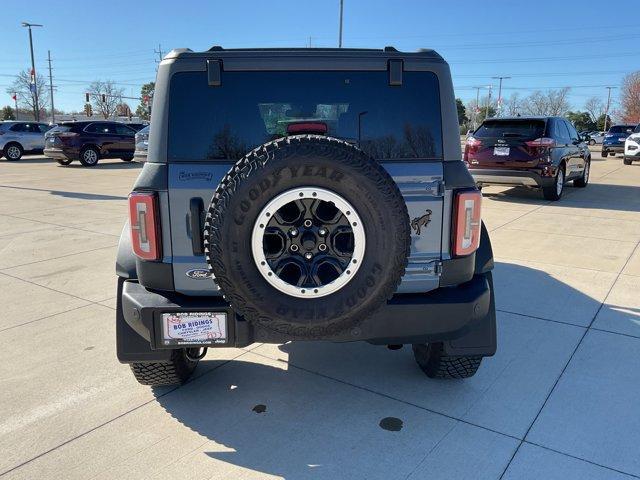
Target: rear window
x=621 y=129
x=251 y=108
x=525 y=128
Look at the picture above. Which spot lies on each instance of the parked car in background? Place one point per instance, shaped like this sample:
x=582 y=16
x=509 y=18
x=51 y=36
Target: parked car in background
x=89 y=141
x=632 y=146
x=539 y=152
x=595 y=138
x=614 y=139
x=18 y=138
x=142 y=145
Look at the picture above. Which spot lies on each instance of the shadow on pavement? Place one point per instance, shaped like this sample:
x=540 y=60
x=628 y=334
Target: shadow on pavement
x=596 y=195
x=102 y=165
x=322 y=414
x=66 y=194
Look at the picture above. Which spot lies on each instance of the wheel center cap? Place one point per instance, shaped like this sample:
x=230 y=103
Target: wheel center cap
x=308 y=240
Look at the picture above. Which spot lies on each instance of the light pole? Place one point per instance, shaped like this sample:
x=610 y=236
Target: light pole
x=606 y=112
x=340 y=31
x=486 y=115
x=33 y=68
x=500 y=93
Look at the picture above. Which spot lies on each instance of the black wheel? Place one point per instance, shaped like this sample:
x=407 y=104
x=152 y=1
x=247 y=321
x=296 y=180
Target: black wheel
x=174 y=372
x=64 y=161
x=13 y=151
x=89 y=156
x=584 y=179
x=592 y=142
x=627 y=161
x=554 y=192
x=286 y=231
x=127 y=159
x=604 y=154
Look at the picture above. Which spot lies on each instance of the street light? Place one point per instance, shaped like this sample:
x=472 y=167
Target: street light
x=33 y=68
x=500 y=93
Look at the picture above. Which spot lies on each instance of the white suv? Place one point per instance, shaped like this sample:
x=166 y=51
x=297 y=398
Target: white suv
x=632 y=146
x=16 y=138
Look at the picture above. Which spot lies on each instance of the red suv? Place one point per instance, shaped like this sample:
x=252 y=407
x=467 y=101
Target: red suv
x=539 y=152
x=88 y=142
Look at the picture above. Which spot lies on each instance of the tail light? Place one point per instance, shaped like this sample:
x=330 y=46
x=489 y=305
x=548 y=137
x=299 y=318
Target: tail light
x=471 y=146
x=466 y=233
x=540 y=146
x=144 y=218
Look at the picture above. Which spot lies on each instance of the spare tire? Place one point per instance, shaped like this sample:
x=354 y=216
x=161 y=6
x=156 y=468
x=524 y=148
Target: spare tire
x=307 y=236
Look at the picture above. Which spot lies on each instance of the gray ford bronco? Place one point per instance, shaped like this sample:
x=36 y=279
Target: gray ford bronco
x=304 y=194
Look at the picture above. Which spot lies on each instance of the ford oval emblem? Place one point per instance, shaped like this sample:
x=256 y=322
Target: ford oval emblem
x=198 y=273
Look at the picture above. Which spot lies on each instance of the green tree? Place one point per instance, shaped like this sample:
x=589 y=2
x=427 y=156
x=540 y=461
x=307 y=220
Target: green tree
x=8 y=113
x=144 y=109
x=582 y=121
x=600 y=122
x=462 y=115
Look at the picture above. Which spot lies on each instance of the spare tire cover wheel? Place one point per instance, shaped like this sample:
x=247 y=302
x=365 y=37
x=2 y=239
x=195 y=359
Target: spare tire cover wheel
x=307 y=236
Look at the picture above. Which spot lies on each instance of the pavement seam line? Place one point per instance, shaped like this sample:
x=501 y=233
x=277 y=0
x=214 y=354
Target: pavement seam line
x=3 y=269
x=48 y=288
x=555 y=384
x=117 y=417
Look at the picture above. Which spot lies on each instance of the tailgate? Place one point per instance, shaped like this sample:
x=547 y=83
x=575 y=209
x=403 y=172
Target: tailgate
x=193 y=184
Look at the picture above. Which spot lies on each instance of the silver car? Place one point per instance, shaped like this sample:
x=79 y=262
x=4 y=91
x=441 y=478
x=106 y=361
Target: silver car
x=142 y=144
x=17 y=138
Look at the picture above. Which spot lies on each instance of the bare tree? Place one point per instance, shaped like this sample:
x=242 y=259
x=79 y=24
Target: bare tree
x=553 y=102
x=595 y=108
x=513 y=105
x=630 y=98
x=22 y=88
x=105 y=97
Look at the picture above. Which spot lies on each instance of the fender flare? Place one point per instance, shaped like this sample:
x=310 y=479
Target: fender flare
x=484 y=254
x=125 y=259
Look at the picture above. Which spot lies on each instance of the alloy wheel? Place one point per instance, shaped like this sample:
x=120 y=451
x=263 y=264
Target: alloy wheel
x=308 y=242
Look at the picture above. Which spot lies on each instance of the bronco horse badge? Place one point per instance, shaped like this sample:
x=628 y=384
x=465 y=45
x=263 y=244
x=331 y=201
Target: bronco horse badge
x=419 y=222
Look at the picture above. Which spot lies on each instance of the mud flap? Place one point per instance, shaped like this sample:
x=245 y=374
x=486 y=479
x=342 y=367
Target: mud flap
x=130 y=346
x=481 y=338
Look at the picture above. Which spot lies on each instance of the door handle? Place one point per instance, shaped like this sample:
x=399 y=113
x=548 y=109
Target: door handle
x=196 y=225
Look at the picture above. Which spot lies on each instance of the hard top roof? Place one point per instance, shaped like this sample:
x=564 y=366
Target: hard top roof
x=388 y=51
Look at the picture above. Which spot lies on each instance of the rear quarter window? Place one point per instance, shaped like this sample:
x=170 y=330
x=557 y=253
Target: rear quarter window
x=251 y=108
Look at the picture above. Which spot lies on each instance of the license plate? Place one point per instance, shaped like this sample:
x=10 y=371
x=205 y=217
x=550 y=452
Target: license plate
x=189 y=328
x=501 y=151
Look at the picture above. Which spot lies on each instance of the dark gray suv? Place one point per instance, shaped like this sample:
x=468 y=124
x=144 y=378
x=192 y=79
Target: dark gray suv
x=304 y=194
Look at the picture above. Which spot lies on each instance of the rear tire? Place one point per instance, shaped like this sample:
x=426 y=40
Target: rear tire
x=554 y=193
x=89 y=156
x=13 y=152
x=64 y=161
x=627 y=161
x=605 y=154
x=174 y=372
x=126 y=159
x=592 y=142
x=435 y=364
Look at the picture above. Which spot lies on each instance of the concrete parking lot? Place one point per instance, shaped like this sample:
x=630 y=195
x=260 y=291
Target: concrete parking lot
x=559 y=400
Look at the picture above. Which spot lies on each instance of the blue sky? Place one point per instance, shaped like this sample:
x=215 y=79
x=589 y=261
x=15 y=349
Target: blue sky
x=541 y=44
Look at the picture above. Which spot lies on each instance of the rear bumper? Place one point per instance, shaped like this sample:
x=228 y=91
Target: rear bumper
x=617 y=148
x=59 y=153
x=529 y=178
x=463 y=316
